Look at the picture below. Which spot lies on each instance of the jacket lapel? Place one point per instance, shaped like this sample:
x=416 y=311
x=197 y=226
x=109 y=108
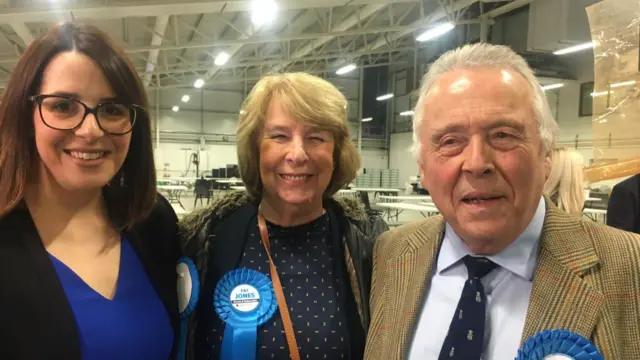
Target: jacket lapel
x=561 y=298
x=407 y=277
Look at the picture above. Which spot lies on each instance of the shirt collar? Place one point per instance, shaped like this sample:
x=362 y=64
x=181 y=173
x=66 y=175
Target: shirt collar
x=519 y=258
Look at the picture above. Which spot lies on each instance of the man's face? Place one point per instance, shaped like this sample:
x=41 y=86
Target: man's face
x=482 y=155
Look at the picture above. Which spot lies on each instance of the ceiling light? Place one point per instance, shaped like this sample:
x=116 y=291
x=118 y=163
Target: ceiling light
x=346 y=69
x=575 y=48
x=221 y=59
x=601 y=93
x=242 y=112
x=185 y=98
x=407 y=113
x=198 y=84
x=175 y=108
x=435 y=32
x=552 y=86
x=625 y=83
x=263 y=12
x=384 y=97
x=603 y=121
x=367 y=119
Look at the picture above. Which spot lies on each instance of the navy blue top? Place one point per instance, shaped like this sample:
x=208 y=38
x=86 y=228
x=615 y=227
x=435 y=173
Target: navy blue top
x=306 y=263
x=133 y=326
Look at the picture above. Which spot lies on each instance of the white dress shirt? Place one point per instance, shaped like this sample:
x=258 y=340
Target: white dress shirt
x=508 y=289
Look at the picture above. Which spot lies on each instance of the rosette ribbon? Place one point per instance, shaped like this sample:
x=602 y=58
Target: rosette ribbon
x=558 y=345
x=244 y=299
x=188 y=292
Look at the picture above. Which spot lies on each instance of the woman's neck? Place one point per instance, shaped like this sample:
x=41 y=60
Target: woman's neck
x=68 y=216
x=283 y=214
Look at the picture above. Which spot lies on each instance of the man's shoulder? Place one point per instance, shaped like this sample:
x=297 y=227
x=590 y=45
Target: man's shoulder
x=622 y=248
x=630 y=183
x=393 y=242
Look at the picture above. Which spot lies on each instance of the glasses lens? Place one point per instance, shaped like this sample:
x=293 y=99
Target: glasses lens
x=61 y=113
x=116 y=118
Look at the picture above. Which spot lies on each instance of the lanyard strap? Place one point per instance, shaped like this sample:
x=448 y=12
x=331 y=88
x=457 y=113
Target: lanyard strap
x=277 y=286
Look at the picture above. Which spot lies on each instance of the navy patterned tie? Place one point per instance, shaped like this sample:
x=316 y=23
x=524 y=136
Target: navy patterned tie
x=465 y=339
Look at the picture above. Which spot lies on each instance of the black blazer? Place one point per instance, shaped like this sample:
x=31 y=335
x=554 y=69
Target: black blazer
x=36 y=320
x=623 y=211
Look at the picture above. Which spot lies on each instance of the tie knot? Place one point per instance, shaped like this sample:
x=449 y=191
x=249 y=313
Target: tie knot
x=478 y=267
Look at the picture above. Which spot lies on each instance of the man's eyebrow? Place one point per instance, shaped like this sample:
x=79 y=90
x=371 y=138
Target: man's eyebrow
x=440 y=132
x=504 y=122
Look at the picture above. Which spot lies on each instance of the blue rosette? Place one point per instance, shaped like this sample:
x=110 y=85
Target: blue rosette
x=244 y=299
x=558 y=345
x=188 y=292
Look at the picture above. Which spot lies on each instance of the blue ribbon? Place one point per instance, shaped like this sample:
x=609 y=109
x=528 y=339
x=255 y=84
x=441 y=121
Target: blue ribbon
x=558 y=342
x=187 y=302
x=243 y=315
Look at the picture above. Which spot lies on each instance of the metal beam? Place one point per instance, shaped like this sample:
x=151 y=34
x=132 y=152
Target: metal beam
x=23 y=32
x=237 y=79
x=506 y=8
x=252 y=62
x=261 y=39
x=158 y=35
x=235 y=48
x=345 y=25
x=433 y=17
x=53 y=14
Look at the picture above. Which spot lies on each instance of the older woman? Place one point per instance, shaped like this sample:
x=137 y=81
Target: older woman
x=565 y=184
x=295 y=153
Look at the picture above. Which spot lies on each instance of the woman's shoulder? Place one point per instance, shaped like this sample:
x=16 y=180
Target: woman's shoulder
x=369 y=222
x=193 y=224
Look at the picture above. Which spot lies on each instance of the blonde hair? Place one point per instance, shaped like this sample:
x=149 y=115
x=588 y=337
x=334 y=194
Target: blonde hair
x=565 y=184
x=305 y=98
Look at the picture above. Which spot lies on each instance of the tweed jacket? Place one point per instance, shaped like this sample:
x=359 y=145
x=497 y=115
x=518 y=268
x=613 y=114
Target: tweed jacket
x=587 y=281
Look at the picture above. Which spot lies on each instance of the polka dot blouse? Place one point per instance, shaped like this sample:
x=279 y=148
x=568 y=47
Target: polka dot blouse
x=304 y=257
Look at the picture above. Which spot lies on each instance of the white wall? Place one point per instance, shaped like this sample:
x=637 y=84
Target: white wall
x=374 y=158
x=401 y=157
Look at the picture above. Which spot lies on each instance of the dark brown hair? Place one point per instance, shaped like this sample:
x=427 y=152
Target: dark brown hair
x=131 y=194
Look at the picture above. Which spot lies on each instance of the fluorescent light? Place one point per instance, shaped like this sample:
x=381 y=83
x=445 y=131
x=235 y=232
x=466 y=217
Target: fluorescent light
x=221 y=59
x=185 y=98
x=407 y=113
x=435 y=32
x=601 y=93
x=367 y=119
x=602 y=121
x=345 y=69
x=384 y=97
x=625 y=83
x=552 y=86
x=198 y=84
x=175 y=108
x=263 y=12
x=575 y=48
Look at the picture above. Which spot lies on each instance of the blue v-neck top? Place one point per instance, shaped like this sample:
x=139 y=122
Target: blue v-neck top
x=133 y=325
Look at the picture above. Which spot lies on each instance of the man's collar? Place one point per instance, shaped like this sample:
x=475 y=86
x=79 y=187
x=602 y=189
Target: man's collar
x=519 y=258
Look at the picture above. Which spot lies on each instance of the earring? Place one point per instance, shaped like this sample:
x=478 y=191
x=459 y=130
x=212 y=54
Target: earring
x=122 y=180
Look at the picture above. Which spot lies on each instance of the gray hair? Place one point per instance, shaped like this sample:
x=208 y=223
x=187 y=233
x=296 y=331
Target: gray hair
x=486 y=55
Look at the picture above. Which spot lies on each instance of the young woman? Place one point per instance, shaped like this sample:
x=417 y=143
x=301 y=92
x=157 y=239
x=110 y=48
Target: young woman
x=87 y=248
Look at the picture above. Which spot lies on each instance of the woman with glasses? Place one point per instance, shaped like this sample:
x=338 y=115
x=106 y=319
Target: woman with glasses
x=87 y=248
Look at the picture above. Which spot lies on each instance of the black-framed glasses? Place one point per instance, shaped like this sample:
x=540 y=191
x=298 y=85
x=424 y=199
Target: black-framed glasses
x=61 y=112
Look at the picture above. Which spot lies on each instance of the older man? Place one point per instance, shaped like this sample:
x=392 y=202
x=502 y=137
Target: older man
x=501 y=263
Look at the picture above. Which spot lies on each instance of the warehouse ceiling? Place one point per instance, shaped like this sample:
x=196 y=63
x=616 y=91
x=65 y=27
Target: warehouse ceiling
x=176 y=43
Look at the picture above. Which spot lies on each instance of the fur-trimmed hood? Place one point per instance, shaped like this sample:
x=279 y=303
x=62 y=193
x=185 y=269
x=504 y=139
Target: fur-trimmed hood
x=197 y=221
